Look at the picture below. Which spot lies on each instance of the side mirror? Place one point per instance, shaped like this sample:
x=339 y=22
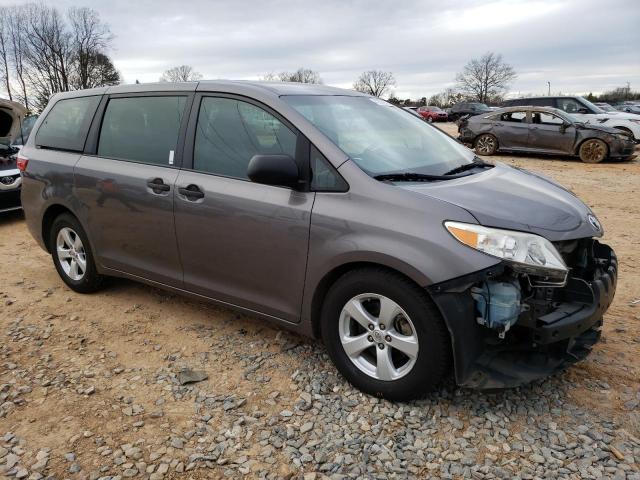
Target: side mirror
x=277 y=170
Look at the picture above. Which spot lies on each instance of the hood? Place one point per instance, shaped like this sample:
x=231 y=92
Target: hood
x=510 y=198
x=608 y=115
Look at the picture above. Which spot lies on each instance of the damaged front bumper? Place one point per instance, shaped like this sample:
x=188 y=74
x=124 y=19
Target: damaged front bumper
x=553 y=328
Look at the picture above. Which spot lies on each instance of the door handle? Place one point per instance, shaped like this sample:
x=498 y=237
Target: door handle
x=158 y=185
x=498 y=124
x=192 y=192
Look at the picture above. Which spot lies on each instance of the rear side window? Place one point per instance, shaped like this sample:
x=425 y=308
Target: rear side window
x=66 y=125
x=142 y=129
x=230 y=132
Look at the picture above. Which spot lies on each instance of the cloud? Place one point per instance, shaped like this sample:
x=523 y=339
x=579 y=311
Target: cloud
x=577 y=45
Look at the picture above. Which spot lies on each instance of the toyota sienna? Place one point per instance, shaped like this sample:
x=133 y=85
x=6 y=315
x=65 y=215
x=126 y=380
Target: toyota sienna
x=334 y=213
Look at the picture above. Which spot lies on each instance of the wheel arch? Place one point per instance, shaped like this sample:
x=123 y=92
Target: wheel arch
x=330 y=277
x=50 y=214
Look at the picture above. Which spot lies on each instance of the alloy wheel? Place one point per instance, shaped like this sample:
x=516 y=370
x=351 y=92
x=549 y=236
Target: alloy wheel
x=593 y=151
x=71 y=253
x=378 y=336
x=486 y=145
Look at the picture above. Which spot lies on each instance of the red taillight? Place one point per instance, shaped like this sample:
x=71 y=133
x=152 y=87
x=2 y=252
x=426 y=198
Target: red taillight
x=21 y=163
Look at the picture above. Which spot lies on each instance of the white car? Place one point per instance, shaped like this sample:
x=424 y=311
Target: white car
x=584 y=111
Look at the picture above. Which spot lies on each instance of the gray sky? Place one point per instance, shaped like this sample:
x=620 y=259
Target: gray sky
x=577 y=45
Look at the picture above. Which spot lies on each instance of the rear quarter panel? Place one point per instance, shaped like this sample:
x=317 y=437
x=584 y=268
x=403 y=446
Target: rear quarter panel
x=48 y=180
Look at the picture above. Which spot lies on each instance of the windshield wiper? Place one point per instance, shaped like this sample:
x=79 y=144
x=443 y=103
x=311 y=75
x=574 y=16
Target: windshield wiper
x=413 y=177
x=468 y=166
x=423 y=177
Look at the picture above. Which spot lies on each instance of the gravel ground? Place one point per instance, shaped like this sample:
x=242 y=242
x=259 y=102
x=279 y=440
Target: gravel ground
x=134 y=382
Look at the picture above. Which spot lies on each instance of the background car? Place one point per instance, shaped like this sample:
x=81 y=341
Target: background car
x=459 y=110
x=10 y=179
x=413 y=111
x=544 y=130
x=605 y=107
x=433 y=114
x=583 y=110
x=629 y=108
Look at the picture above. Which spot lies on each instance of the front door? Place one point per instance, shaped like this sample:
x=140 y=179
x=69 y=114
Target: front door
x=240 y=242
x=549 y=134
x=126 y=188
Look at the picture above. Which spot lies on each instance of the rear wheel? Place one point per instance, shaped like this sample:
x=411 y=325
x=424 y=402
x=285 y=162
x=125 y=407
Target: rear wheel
x=486 y=144
x=385 y=335
x=72 y=255
x=593 y=151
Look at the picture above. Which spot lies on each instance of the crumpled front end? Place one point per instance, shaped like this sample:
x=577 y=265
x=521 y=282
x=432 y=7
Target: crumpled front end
x=510 y=328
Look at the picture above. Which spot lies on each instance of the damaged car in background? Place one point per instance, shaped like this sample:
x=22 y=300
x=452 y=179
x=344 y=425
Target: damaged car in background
x=336 y=214
x=545 y=130
x=15 y=126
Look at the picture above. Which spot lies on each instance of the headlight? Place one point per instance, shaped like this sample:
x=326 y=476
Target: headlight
x=525 y=252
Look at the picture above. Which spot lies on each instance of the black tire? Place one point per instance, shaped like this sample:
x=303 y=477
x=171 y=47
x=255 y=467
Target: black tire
x=433 y=359
x=91 y=280
x=485 y=144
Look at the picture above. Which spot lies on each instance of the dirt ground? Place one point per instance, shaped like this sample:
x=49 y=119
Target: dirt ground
x=88 y=366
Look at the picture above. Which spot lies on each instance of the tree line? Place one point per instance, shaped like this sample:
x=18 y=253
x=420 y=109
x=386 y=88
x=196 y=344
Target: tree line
x=44 y=51
x=482 y=79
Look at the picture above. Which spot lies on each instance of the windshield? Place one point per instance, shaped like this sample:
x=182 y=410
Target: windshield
x=606 y=107
x=480 y=106
x=381 y=138
x=26 y=127
x=591 y=106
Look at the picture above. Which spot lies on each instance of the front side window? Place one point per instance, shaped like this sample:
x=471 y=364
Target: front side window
x=67 y=124
x=543 y=118
x=514 y=117
x=142 y=129
x=380 y=138
x=324 y=177
x=230 y=132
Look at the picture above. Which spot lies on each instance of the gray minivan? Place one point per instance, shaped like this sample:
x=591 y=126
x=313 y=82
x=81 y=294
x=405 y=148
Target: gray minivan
x=334 y=213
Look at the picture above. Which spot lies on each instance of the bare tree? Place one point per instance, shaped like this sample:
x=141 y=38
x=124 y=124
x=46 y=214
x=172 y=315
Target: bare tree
x=45 y=52
x=374 y=82
x=302 y=75
x=48 y=54
x=5 y=72
x=16 y=27
x=183 y=73
x=485 y=77
x=89 y=37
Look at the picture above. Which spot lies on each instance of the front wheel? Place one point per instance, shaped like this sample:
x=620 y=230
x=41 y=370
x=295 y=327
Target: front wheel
x=430 y=119
x=72 y=255
x=385 y=335
x=486 y=144
x=593 y=151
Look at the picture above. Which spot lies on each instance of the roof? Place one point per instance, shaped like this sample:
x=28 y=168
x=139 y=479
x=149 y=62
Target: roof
x=230 y=86
x=539 y=96
x=534 y=108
